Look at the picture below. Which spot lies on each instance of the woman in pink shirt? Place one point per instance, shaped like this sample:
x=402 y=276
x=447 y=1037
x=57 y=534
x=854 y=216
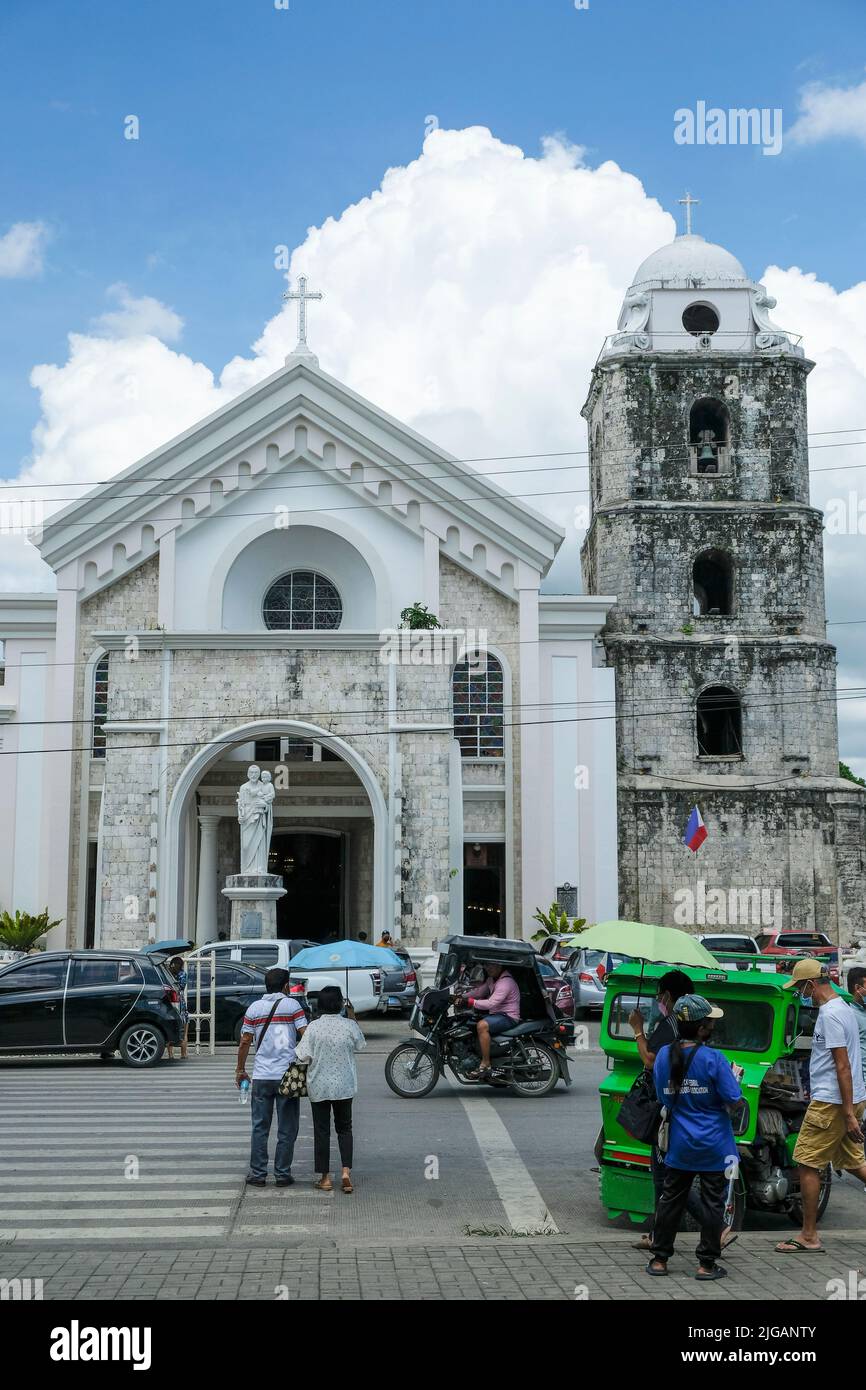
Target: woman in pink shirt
x=499 y=1000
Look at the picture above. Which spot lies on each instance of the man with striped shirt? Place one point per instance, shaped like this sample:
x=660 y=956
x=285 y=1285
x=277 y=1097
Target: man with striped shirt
x=276 y=1042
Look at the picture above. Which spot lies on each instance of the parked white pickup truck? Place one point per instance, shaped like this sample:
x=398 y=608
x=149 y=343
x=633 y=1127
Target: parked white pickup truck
x=364 y=982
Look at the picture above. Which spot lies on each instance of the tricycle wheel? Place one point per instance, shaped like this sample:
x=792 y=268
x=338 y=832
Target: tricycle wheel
x=543 y=1062
x=794 y=1211
x=411 y=1071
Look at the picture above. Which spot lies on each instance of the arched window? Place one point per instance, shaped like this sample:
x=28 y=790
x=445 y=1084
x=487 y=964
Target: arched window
x=302 y=601
x=719 y=723
x=477 y=695
x=100 y=707
x=708 y=436
x=713 y=583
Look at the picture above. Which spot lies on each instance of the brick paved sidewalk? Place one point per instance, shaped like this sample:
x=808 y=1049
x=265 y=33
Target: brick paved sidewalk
x=494 y=1269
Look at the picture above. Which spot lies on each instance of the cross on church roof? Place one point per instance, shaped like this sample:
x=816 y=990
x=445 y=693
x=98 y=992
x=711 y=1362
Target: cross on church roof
x=688 y=203
x=302 y=294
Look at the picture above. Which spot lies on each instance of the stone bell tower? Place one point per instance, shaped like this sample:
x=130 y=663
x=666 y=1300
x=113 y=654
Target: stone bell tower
x=726 y=683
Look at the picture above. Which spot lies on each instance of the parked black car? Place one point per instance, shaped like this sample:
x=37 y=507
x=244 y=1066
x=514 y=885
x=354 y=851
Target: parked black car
x=236 y=987
x=89 y=1001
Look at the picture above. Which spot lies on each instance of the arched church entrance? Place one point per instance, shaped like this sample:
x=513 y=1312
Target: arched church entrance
x=329 y=841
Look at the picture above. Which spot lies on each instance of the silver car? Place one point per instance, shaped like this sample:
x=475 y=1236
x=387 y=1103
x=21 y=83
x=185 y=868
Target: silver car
x=587 y=972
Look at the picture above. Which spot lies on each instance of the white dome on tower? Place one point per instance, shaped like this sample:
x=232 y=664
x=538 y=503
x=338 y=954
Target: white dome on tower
x=687 y=262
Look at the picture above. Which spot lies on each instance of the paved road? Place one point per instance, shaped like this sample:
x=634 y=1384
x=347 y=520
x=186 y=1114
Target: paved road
x=95 y=1155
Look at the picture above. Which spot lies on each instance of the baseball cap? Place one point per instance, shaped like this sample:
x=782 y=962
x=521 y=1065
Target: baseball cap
x=806 y=970
x=692 y=1008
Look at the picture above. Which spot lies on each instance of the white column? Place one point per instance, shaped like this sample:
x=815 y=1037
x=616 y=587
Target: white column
x=431 y=571
x=60 y=737
x=208 y=867
x=536 y=891
x=165 y=601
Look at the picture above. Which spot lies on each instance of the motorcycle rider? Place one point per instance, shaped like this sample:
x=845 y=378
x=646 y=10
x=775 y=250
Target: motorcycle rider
x=498 y=999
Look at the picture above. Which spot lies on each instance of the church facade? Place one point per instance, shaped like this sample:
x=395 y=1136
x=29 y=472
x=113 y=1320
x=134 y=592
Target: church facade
x=260 y=591
x=240 y=596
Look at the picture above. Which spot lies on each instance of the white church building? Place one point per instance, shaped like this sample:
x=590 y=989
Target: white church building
x=236 y=597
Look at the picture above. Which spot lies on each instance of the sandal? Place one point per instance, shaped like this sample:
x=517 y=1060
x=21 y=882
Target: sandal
x=717 y=1272
x=657 y=1273
x=482 y=1074
x=347 y=1185
x=796 y=1247
x=324 y=1185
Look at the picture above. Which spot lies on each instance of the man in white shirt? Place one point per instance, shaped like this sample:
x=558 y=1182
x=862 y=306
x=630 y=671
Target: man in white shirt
x=276 y=1021
x=831 y=1132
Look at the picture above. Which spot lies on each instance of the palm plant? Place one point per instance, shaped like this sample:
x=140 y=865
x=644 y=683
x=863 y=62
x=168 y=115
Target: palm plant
x=21 y=932
x=555 y=922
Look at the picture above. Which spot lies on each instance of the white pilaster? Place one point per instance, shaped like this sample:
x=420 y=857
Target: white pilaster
x=431 y=571
x=62 y=736
x=208 y=866
x=536 y=892
x=165 y=604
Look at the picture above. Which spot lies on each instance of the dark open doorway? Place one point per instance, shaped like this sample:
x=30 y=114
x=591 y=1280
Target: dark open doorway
x=484 y=889
x=311 y=865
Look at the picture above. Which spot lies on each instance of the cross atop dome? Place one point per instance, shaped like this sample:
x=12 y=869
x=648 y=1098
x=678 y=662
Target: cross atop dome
x=688 y=202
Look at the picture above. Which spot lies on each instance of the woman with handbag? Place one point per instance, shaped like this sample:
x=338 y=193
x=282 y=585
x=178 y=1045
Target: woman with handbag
x=329 y=1046
x=697 y=1085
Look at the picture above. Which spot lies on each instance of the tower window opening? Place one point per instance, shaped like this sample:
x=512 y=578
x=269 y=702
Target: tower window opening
x=719 y=723
x=708 y=437
x=713 y=584
x=699 y=319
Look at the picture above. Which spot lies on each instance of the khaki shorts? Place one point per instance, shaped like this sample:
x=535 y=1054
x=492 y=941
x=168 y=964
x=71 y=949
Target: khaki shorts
x=824 y=1139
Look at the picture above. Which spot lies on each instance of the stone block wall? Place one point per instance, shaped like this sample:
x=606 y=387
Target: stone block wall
x=788 y=859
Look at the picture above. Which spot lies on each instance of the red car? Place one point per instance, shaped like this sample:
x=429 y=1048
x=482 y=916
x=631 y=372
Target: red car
x=816 y=944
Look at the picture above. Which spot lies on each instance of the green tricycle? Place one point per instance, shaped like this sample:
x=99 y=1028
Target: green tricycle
x=768 y=1031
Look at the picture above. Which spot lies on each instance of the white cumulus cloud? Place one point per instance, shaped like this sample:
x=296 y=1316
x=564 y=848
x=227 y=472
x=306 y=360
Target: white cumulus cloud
x=22 y=249
x=138 y=317
x=828 y=112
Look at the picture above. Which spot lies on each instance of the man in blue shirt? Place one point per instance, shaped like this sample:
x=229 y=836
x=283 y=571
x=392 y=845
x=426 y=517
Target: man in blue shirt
x=697 y=1086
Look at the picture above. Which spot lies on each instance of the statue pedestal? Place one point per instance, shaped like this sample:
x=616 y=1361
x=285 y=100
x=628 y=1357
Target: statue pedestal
x=254 y=899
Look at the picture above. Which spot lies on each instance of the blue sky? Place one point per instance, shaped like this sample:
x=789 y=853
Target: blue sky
x=257 y=123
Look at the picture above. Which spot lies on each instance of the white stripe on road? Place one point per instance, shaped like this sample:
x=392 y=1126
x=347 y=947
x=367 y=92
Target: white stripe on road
x=113 y=1211
x=524 y=1205
x=64 y=1233
x=60 y=1203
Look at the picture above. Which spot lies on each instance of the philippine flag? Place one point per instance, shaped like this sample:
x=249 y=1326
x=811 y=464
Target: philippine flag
x=696 y=831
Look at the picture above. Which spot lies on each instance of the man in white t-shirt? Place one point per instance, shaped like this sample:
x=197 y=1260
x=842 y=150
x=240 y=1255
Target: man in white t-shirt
x=831 y=1132
x=276 y=1021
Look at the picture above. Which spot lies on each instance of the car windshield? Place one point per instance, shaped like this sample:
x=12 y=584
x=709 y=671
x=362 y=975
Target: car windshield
x=746 y=1027
x=730 y=943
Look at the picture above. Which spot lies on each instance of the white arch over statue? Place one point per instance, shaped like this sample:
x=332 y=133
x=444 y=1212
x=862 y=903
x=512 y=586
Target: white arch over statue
x=170 y=910
x=263 y=526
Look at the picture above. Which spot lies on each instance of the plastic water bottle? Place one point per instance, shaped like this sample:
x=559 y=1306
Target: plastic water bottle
x=244 y=1090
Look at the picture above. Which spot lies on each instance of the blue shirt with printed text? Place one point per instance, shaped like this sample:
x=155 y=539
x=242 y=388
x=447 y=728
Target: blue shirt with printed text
x=701 y=1137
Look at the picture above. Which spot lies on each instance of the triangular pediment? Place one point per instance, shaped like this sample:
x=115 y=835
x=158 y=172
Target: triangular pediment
x=300 y=440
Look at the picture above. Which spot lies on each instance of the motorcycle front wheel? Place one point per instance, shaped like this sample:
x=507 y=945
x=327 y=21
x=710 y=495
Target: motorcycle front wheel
x=537 y=1072
x=411 y=1071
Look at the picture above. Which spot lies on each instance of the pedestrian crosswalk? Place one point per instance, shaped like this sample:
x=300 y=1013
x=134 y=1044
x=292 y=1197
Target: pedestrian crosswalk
x=96 y=1152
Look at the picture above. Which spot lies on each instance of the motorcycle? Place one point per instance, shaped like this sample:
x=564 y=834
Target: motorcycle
x=530 y=1057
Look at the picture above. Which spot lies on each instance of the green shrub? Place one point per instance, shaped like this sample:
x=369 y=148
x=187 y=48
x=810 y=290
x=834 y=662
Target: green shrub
x=21 y=932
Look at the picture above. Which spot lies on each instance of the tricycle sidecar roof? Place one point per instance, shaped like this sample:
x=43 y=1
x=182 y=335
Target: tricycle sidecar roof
x=519 y=957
